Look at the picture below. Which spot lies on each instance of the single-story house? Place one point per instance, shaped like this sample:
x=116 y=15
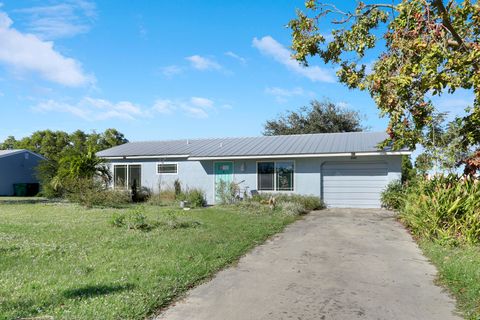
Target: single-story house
x=18 y=166
x=344 y=169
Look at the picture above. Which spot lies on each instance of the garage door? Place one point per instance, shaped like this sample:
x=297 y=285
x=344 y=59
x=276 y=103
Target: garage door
x=353 y=185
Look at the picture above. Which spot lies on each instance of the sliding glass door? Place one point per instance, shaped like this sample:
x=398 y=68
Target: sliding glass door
x=125 y=176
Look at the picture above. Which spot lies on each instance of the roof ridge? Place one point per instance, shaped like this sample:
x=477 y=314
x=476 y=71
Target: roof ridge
x=250 y=137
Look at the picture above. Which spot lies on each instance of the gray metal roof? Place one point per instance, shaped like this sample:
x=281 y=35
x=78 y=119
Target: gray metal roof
x=322 y=143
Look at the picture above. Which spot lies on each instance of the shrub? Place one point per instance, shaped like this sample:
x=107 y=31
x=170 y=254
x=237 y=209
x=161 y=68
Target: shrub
x=177 y=186
x=445 y=209
x=162 y=198
x=393 y=196
x=90 y=193
x=308 y=202
x=292 y=208
x=132 y=219
x=227 y=192
x=195 y=198
x=175 y=222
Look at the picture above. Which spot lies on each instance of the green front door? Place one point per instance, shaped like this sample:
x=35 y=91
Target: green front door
x=223 y=171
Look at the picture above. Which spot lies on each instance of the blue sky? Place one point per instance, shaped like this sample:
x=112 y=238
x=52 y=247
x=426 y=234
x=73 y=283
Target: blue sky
x=160 y=69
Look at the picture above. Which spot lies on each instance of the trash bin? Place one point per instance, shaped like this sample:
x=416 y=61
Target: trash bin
x=20 y=189
x=32 y=189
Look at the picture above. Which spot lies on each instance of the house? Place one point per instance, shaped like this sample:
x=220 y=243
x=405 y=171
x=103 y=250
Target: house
x=345 y=169
x=17 y=167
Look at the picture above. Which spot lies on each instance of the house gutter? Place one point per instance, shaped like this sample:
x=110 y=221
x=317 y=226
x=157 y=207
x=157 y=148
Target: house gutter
x=310 y=155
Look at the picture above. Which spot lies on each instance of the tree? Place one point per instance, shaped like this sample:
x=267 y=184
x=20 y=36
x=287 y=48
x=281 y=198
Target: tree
x=426 y=48
x=319 y=117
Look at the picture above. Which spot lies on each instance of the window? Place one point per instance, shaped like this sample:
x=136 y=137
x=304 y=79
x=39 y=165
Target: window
x=171 y=168
x=265 y=175
x=275 y=176
x=127 y=175
x=284 y=176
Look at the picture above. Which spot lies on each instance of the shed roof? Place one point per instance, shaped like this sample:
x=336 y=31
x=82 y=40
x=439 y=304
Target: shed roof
x=288 y=145
x=10 y=152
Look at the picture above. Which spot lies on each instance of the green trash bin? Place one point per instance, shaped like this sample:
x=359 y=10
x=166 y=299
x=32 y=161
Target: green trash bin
x=20 y=189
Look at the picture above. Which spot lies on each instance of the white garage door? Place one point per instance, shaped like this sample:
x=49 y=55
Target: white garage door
x=353 y=185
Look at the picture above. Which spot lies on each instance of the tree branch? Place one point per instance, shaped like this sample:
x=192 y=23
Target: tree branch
x=447 y=23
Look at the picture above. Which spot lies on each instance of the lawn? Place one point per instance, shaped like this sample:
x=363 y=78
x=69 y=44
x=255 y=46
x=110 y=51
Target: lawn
x=459 y=270
x=63 y=261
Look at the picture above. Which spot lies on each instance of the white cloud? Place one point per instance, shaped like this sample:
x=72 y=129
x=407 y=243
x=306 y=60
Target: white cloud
x=272 y=48
x=93 y=109
x=172 y=70
x=231 y=54
x=282 y=95
x=60 y=20
x=196 y=112
x=164 y=106
x=201 y=102
x=27 y=52
x=203 y=63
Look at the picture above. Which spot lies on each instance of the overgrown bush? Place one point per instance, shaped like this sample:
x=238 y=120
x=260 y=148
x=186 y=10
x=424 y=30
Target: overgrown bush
x=90 y=193
x=177 y=186
x=226 y=192
x=289 y=204
x=132 y=219
x=195 y=198
x=393 y=197
x=292 y=208
x=165 y=197
x=445 y=209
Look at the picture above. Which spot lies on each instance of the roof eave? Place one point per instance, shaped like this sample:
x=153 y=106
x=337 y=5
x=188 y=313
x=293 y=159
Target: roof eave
x=310 y=155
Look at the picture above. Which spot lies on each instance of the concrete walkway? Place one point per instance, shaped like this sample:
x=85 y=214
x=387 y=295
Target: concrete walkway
x=334 y=264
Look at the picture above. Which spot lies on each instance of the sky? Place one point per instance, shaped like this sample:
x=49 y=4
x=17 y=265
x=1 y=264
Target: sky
x=162 y=69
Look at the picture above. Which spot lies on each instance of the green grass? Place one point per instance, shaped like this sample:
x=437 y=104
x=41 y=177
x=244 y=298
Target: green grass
x=67 y=262
x=459 y=270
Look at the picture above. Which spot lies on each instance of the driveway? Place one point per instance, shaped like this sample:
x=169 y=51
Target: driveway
x=334 y=264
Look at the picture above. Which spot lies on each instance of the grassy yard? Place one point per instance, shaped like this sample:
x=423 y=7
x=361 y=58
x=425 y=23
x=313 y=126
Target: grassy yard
x=459 y=270
x=63 y=261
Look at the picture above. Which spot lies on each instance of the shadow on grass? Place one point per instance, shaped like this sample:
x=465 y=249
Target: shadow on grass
x=95 y=290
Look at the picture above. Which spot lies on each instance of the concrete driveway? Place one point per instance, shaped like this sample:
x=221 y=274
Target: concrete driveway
x=334 y=264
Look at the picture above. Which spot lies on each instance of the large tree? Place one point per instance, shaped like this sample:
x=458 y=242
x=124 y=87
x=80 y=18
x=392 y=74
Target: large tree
x=426 y=48
x=318 y=117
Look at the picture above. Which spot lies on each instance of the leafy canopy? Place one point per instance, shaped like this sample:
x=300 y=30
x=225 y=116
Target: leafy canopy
x=319 y=117
x=427 y=48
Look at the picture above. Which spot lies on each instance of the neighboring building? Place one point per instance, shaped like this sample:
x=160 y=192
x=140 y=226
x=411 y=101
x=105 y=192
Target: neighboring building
x=345 y=169
x=17 y=167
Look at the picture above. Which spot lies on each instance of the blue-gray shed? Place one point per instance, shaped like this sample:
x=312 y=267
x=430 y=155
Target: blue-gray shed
x=17 y=166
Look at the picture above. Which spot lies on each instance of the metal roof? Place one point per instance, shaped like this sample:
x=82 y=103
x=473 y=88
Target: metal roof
x=10 y=152
x=304 y=144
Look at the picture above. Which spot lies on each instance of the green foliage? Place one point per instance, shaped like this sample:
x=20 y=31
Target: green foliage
x=426 y=49
x=177 y=186
x=134 y=219
x=444 y=209
x=408 y=172
x=393 y=196
x=288 y=204
x=195 y=198
x=319 y=117
x=91 y=193
x=226 y=192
